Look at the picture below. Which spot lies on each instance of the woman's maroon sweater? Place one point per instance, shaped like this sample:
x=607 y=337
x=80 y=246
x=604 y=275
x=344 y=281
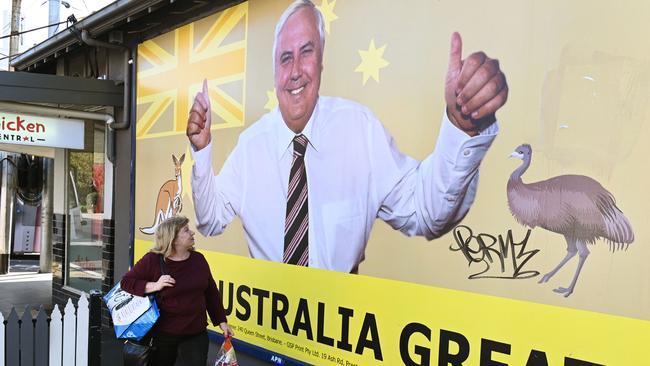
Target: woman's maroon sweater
x=183 y=306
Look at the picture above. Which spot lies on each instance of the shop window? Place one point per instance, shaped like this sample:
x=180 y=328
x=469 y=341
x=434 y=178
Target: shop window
x=85 y=192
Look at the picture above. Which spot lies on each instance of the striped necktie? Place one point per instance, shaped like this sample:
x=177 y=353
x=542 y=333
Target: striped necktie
x=296 y=247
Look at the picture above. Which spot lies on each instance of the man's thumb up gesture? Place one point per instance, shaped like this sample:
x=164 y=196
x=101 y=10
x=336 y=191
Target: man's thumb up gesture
x=200 y=119
x=475 y=88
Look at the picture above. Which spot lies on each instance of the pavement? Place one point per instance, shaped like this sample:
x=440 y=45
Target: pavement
x=23 y=286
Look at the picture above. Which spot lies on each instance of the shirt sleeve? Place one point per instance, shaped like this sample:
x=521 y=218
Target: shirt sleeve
x=435 y=195
x=215 y=197
x=135 y=280
x=213 y=301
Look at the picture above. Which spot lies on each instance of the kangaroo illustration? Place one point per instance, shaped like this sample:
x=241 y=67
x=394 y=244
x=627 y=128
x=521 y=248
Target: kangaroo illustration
x=170 y=199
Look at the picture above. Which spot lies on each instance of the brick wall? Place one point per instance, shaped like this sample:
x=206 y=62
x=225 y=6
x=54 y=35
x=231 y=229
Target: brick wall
x=108 y=258
x=59 y=294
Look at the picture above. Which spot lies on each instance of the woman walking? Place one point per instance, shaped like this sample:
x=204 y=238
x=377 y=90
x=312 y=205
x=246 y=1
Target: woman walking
x=185 y=292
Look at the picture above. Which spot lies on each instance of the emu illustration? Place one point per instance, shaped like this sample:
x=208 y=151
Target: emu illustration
x=575 y=206
x=170 y=199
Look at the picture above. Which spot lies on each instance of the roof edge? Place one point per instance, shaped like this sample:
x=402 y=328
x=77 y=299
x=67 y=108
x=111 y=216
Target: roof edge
x=96 y=24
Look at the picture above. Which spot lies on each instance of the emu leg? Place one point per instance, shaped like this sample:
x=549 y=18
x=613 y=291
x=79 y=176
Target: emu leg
x=583 y=253
x=571 y=250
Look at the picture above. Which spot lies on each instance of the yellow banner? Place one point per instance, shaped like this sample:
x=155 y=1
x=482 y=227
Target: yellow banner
x=329 y=318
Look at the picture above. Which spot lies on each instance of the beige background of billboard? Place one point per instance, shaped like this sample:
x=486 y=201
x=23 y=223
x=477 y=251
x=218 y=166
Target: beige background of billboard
x=579 y=90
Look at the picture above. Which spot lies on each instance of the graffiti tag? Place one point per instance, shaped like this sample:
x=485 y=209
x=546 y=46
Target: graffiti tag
x=487 y=249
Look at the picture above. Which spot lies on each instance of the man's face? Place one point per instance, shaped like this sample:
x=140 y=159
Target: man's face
x=298 y=66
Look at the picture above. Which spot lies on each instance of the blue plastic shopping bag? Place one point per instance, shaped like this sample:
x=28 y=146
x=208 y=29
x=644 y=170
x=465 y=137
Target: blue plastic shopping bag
x=133 y=316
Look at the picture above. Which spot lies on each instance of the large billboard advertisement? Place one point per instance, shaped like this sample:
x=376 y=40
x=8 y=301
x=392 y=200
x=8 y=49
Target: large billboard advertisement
x=412 y=258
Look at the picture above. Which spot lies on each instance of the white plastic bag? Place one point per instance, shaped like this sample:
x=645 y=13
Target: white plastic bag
x=226 y=354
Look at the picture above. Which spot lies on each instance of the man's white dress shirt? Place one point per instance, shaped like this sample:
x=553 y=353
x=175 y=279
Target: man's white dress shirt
x=355 y=173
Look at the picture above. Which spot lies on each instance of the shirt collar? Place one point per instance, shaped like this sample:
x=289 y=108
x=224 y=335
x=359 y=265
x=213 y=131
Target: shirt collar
x=285 y=135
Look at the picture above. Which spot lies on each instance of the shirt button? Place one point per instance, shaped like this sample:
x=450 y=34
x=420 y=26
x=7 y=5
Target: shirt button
x=467 y=152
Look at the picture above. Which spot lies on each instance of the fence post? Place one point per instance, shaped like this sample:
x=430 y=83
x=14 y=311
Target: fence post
x=81 y=358
x=69 y=333
x=27 y=337
x=56 y=337
x=95 y=329
x=2 y=340
x=12 y=347
x=41 y=339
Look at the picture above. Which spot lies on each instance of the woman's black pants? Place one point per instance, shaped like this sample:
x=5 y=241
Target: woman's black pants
x=190 y=350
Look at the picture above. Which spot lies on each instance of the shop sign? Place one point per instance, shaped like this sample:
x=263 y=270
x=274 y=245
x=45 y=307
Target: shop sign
x=25 y=129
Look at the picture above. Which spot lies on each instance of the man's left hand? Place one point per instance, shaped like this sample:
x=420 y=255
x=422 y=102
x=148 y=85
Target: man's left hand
x=474 y=90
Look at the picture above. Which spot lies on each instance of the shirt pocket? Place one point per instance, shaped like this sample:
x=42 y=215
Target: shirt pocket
x=345 y=232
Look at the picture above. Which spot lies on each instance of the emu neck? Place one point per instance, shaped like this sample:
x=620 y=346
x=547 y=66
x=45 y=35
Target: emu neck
x=521 y=170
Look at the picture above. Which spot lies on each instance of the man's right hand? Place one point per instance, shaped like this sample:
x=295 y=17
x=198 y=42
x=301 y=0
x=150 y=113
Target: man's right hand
x=200 y=119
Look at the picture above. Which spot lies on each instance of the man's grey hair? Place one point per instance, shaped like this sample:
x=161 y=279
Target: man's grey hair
x=294 y=7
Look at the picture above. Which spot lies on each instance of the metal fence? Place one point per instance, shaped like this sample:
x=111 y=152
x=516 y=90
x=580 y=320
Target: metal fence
x=71 y=338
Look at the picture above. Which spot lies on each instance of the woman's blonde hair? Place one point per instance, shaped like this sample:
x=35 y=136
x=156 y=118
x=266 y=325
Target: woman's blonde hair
x=166 y=233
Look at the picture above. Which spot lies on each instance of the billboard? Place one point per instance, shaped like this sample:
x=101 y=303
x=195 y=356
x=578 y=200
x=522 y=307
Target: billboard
x=548 y=265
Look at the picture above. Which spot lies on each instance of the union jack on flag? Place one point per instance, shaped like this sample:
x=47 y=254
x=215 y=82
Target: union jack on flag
x=171 y=69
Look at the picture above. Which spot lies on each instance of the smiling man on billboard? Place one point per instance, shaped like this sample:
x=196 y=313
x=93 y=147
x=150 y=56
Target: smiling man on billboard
x=309 y=179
